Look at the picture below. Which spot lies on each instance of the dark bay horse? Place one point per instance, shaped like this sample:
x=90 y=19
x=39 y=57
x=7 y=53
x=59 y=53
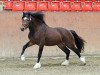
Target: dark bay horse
x=43 y=35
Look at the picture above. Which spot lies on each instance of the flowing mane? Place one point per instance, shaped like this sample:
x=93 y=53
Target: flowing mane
x=38 y=16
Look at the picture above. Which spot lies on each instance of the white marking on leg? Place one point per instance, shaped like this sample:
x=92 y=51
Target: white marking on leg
x=23 y=58
x=66 y=62
x=82 y=59
x=37 y=65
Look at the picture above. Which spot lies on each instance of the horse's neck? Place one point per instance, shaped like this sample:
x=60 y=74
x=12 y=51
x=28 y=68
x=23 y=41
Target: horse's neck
x=36 y=27
x=31 y=29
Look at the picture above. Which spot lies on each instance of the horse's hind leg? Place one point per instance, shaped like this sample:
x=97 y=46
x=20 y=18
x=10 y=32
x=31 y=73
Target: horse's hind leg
x=24 y=48
x=66 y=51
x=73 y=48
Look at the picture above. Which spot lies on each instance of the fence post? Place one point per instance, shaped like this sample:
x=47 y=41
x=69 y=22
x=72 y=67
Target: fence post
x=1 y=6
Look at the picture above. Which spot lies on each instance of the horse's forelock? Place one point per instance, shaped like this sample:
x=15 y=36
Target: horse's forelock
x=36 y=15
x=26 y=13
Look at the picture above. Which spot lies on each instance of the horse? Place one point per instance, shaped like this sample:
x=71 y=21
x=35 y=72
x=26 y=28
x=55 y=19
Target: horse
x=42 y=35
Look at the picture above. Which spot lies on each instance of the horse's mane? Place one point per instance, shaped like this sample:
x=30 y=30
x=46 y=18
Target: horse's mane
x=38 y=15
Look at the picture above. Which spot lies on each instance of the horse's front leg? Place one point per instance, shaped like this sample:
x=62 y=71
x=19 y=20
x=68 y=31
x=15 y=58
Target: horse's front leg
x=24 y=48
x=38 y=64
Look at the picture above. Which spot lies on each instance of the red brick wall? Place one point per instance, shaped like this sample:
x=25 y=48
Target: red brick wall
x=86 y=24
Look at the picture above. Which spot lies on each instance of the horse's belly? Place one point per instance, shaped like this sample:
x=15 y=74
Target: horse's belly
x=50 y=44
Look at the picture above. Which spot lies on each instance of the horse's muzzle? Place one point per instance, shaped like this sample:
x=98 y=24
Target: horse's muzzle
x=24 y=27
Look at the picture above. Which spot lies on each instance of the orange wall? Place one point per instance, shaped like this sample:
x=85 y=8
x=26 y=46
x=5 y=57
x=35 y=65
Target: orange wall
x=86 y=24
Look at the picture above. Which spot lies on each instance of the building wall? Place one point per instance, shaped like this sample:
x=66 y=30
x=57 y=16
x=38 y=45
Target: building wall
x=86 y=24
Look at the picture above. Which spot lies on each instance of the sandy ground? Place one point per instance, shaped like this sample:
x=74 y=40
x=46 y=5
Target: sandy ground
x=50 y=66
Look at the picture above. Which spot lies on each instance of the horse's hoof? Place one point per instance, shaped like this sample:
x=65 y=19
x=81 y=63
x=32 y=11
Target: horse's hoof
x=23 y=58
x=84 y=64
x=37 y=65
x=65 y=63
x=83 y=59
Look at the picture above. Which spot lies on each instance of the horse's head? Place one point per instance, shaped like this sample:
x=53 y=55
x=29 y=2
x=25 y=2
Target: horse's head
x=29 y=18
x=26 y=19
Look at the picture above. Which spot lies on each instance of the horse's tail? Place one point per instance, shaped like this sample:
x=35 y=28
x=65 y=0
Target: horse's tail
x=78 y=40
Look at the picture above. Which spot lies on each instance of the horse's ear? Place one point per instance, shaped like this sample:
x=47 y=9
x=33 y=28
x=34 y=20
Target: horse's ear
x=23 y=13
x=30 y=17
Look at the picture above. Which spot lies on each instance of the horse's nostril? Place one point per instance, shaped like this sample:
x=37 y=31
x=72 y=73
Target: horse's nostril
x=22 y=29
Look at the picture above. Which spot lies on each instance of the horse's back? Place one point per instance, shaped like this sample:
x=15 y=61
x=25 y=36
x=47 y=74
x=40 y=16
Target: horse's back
x=63 y=31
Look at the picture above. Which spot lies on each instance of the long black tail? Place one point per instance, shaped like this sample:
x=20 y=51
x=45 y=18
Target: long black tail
x=78 y=40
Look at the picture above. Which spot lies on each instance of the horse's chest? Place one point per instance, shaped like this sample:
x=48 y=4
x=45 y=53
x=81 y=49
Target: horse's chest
x=36 y=38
